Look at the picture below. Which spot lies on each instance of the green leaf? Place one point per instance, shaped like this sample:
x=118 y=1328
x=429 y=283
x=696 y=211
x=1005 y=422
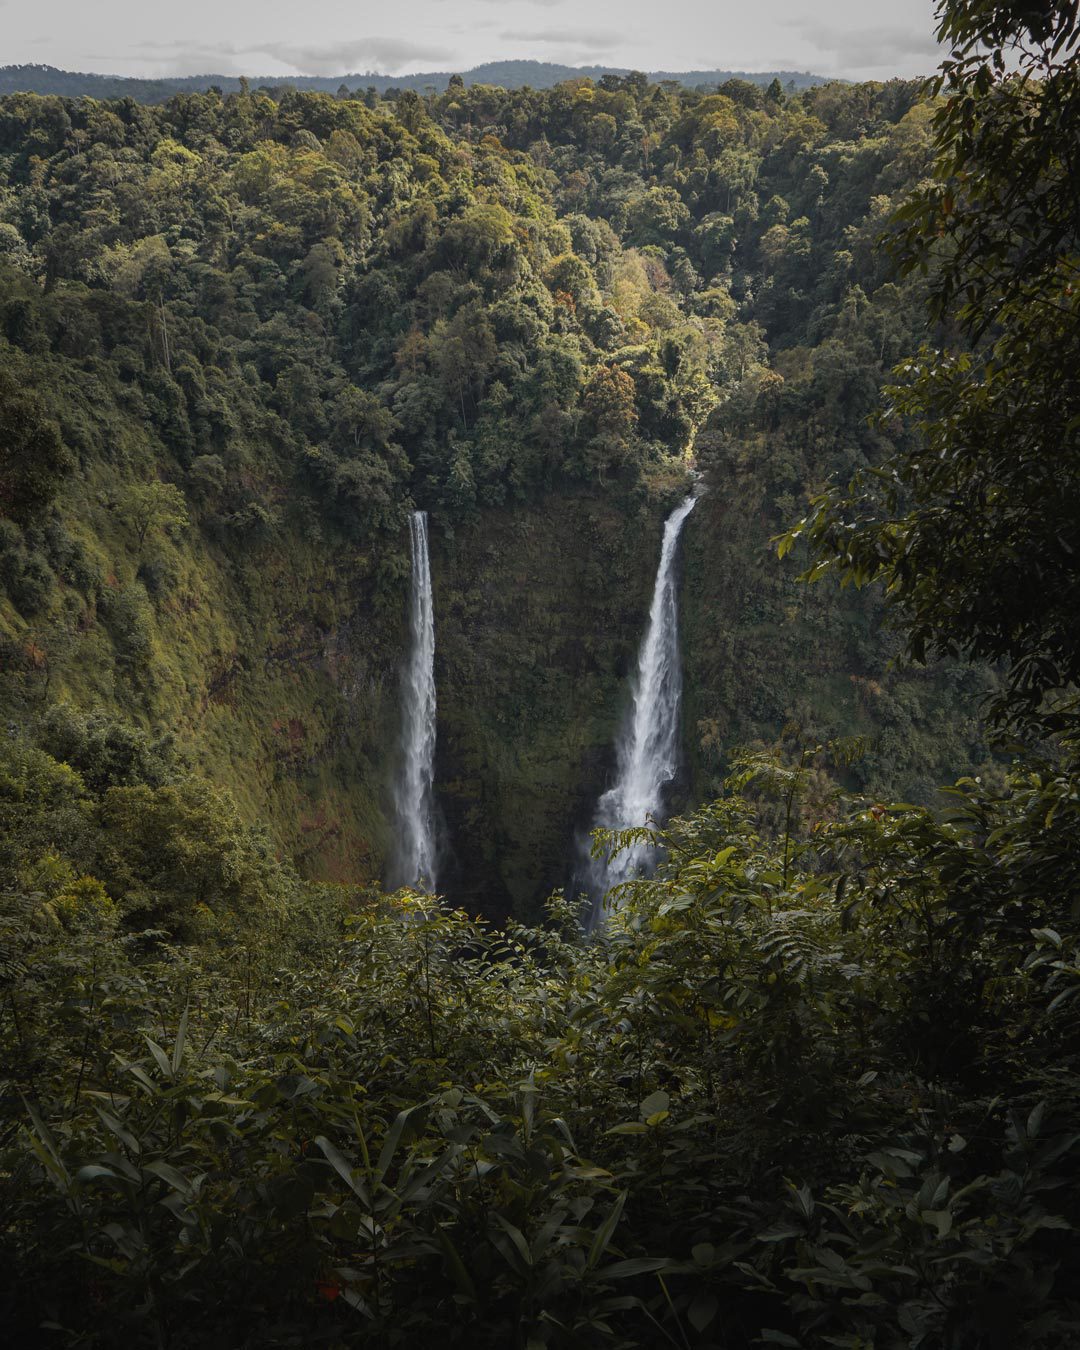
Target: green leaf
x=654 y=1102
x=116 y=1128
x=344 y=1170
x=44 y=1146
x=181 y=1041
x=142 y=1078
x=804 y=1201
x=638 y=1265
x=93 y=1172
x=702 y=1311
x=390 y=1143
x=779 y=1232
x=160 y=1057
x=459 y=1273
x=606 y=1231
x=941 y=1219
x=516 y=1237
x=170 y=1175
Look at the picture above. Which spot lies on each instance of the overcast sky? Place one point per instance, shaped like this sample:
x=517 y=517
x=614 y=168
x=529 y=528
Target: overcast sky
x=855 y=39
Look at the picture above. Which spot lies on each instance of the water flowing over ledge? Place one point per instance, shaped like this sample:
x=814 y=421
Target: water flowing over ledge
x=648 y=743
x=416 y=858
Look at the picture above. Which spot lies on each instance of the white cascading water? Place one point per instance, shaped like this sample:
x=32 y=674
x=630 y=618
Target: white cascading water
x=416 y=855
x=649 y=740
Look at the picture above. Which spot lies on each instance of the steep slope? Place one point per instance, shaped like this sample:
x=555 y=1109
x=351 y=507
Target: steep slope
x=242 y=337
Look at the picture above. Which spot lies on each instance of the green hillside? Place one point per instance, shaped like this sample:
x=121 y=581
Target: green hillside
x=293 y=320
x=43 y=79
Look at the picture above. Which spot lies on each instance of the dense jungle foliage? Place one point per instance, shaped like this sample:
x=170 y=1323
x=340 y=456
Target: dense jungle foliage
x=240 y=337
x=816 y=1082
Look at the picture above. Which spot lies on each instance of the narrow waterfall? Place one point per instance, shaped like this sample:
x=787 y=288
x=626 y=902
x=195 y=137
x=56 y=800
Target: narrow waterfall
x=416 y=855
x=649 y=739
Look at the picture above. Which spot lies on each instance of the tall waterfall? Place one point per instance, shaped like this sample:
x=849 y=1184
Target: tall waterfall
x=648 y=741
x=416 y=856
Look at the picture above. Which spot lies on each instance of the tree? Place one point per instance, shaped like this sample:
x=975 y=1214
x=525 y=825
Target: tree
x=410 y=110
x=573 y=277
x=479 y=238
x=360 y=419
x=610 y=403
x=41 y=802
x=658 y=216
x=152 y=507
x=167 y=850
x=321 y=271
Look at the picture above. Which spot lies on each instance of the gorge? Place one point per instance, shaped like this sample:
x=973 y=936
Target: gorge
x=529 y=370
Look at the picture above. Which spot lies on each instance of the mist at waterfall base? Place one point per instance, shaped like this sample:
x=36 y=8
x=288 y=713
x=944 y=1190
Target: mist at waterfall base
x=648 y=743
x=415 y=862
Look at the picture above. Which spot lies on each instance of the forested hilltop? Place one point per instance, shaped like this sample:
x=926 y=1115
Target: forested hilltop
x=42 y=79
x=243 y=337
x=815 y=1082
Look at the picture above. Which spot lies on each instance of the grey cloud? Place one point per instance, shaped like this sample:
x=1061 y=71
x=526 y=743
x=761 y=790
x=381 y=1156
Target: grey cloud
x=564 y=37
x=473 y=26
x=185 y=57
x=860 y=47
x=328 y=58
x=333 y=58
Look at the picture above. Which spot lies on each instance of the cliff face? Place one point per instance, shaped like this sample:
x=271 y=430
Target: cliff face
x=539 y=611
x=264 y=644
x=273 y=658
x=275 y=664
x=268 y=664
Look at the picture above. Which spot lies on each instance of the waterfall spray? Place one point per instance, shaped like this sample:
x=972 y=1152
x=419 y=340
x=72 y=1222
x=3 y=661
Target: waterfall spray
x=416 y=854
x=648 y=742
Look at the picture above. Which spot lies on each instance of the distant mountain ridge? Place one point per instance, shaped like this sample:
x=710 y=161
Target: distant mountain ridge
x=43 y=79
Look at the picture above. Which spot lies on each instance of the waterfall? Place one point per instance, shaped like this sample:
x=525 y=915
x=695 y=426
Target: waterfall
x=648 y=741
x=416 y=857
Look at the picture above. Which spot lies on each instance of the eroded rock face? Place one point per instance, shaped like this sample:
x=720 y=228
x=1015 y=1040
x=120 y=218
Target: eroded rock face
x=539 y=613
